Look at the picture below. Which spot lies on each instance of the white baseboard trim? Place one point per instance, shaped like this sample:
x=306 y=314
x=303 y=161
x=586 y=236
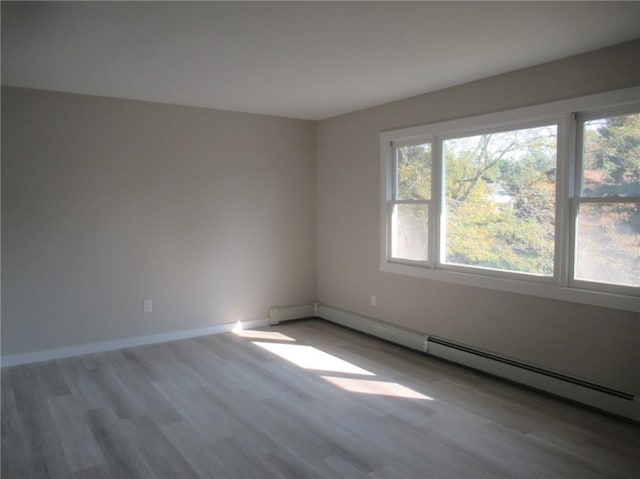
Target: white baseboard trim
x=581 y=391
x=600 y=397
x=616 y=402
x=278 y=314
x=37 y=356
x=380 y=329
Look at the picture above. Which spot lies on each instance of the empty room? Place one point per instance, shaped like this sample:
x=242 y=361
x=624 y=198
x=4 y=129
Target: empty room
x=320 y=240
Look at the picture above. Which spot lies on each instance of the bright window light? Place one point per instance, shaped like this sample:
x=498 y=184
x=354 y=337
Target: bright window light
x=499 y=200
x=542 y=200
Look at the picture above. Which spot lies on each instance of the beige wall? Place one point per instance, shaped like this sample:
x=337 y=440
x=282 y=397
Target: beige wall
x=599 y=344
x=107 y=202
x=214 y=215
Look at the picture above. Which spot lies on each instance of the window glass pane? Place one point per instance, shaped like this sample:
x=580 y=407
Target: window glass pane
x=413 y=172
x=500 y=200
x=611 y=156
x=409 y=230
x=608 y=243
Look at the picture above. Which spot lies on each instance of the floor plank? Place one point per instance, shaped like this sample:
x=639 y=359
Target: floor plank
x=303 y=399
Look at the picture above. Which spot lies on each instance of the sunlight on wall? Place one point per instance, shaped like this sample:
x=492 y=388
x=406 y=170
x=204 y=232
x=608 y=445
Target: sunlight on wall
x=368 y=386
x=308 y=357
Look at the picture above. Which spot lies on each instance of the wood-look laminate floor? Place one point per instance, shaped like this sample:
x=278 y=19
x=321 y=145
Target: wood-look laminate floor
x=303 y=399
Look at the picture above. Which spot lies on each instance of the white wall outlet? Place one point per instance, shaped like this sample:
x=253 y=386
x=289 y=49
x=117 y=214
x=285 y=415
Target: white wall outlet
x=373 y=300
x=147 y=306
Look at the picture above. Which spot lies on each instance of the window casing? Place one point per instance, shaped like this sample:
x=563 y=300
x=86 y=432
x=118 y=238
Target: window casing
x=411 y=206
x=606 y=203
x=493 y=191
x=535 y=224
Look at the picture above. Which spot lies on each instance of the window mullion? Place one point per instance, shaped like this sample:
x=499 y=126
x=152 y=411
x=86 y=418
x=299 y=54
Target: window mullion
x=565 y=164
x=387 y=179
x=394 y=172
x=575 y=185
x=573 y=236
x=411 y=246
x=435 y=212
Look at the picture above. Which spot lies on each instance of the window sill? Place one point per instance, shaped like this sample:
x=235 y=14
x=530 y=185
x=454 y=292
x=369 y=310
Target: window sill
x=594 y=298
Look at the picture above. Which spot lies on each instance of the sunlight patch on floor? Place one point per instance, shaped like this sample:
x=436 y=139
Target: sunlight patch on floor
x=368 y=386
x=262 y=335
x=308 y=357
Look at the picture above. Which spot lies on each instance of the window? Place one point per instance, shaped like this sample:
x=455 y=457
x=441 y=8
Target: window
x=499 y=200
x=411 y=202
x=543 y=200
x=607 y=225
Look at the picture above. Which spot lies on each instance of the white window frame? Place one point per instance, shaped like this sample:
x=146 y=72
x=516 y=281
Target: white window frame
x=577 y=199
x=560 y=123
x=568 y=115
x=392 y=202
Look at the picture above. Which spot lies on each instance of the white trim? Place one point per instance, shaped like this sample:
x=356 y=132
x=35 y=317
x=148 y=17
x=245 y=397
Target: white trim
x=388 y=331
x=90 y=348
x=436 y=232
x=579 y=197
x=606 y=112
x=380 y=329
x=386 y=175
x=538 y=380
x=564 y=181
x=278 y=314
x=390 y=164
x=562 y=285
x=554 y=121
x=575 y=392
x=594 y=298
x=504 y=118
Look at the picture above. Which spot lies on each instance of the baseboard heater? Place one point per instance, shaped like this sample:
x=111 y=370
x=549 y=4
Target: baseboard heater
x=595 y=395
x=278 y=314
x=601 y=397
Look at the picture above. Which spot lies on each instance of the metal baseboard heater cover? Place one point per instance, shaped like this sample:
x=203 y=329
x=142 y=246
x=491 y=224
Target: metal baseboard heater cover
x=607 y=399
x=278 y=314
x=379 y=329
x=601 y=397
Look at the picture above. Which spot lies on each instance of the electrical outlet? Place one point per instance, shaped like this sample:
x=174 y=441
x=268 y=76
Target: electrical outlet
x=374 y=300
x=147 y=306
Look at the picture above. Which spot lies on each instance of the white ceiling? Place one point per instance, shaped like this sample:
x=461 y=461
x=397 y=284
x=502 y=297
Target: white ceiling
x=307 y=60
